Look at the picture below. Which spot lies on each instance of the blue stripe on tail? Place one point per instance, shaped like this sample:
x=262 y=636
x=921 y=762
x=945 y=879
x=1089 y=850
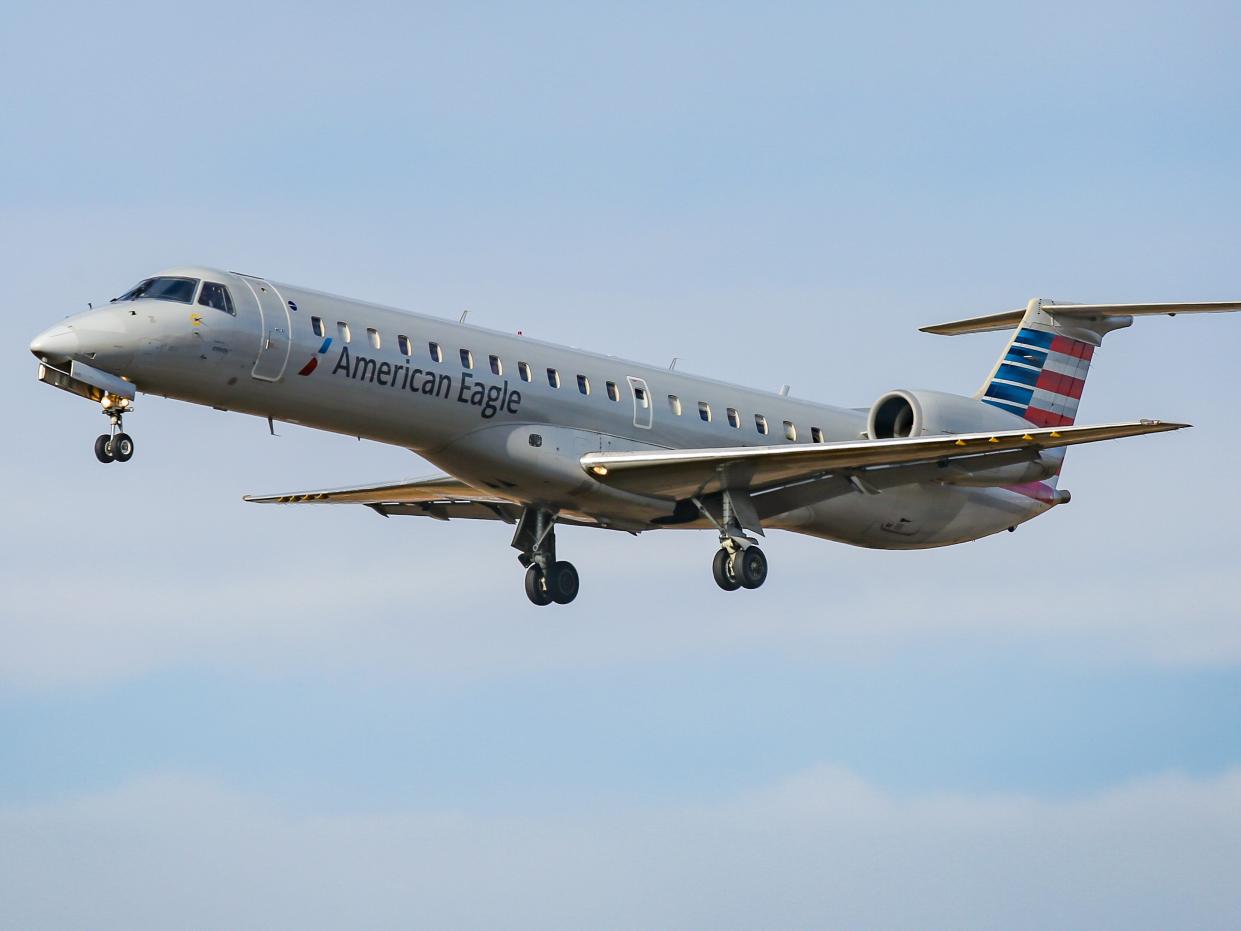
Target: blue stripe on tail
x=1006 y=392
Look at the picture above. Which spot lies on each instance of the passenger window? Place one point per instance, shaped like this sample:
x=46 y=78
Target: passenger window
x=497 y=367
x=639 y=395
x=734 y=419
x=760 y=424
x=675 y=403
x=816 y=435
x=583 y=384
x=343 y=329
x=217 y=296
x=790 y=431
x=523 y=369
x=316 y=324
x=613 y=391
x=467 y=359
x=553 y=378
x=373 y=335
x=436 y=351
x=704 y=411
x=403 y=344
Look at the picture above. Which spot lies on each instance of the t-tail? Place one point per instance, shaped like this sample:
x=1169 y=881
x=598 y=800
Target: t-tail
x=1042 y=372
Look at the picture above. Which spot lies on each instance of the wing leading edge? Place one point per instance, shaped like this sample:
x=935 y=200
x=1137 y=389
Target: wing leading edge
x=679 y=474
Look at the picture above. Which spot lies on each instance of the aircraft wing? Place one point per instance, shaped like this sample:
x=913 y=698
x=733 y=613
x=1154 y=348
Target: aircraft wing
x=441 y=497
x=686 y=473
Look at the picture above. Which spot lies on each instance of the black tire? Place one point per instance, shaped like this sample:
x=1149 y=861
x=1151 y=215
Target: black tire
x=103 y=448
x=536 y=591
x=562 y=582
x=719 y=568
x=750 y=567
x=122 y=447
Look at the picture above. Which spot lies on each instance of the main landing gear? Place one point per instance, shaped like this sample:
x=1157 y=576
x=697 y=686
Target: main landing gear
x=116 y=445
x=548 y=580
x=736 y=566
x=738 y=563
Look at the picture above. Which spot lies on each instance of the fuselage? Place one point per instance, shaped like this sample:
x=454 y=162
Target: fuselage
x=507 y=414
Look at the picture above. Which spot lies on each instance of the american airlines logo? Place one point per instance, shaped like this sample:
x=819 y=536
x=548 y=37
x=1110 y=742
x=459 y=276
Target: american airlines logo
x=490 y=399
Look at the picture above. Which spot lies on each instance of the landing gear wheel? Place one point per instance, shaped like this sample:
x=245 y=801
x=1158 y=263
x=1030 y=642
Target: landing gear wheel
x=536 y=590
x=562 y=582
x=749 y=566
x=719 y=568
x=122 y=447
x=103 y=448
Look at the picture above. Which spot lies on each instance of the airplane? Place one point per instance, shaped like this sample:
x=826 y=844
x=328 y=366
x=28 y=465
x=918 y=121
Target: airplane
x=537 y=435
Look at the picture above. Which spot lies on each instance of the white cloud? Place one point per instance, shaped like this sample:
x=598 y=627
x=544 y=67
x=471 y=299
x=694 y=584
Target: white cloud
x=823 y=849
x=322 y=592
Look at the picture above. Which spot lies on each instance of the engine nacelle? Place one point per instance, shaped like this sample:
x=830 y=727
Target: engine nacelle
x=902 y=413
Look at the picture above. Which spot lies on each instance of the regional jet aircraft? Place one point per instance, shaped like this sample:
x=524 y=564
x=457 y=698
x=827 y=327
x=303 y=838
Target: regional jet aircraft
x=536 y=434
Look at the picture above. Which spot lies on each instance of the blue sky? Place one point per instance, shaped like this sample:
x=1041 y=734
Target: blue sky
x=272 y=717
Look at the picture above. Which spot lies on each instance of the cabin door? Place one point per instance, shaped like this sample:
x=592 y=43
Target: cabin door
x=642 y=411
x=275 y=345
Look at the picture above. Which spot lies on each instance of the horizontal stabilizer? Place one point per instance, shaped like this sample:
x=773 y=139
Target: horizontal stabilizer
x=1011 y=318
x=685 y=473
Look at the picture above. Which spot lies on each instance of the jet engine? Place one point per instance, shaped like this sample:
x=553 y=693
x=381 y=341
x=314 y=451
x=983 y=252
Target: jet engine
x=902 y=413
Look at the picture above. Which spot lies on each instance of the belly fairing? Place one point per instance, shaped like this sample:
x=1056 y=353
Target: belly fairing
x=913 y=517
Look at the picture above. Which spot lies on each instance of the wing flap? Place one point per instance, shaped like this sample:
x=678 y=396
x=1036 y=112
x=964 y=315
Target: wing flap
x=688 y=473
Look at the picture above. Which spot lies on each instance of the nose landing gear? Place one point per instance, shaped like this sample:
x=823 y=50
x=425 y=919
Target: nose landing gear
x=116 y=445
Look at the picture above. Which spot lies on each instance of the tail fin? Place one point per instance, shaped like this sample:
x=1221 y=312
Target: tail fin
x=1044 y=366
x=1043 y=370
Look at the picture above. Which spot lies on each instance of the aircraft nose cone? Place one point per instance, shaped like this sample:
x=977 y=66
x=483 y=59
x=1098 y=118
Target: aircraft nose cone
x=58 y=342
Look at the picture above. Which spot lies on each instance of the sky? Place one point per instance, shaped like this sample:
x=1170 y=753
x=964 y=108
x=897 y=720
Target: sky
x=232 y=716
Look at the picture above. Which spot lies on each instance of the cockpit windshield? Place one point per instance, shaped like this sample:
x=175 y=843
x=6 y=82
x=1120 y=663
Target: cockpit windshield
x=163 y=289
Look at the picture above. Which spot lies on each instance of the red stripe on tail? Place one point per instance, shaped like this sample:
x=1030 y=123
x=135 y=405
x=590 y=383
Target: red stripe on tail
x=1042 y=418
x=1061 y=384
x=1072 y=347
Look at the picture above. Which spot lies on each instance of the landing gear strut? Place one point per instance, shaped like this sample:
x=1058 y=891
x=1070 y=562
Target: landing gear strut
x=547 y=579
x=116 y=445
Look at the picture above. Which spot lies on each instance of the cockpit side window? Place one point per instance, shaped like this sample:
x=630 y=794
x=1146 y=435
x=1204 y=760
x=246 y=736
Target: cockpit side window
x=180 y=290
x=217 y=296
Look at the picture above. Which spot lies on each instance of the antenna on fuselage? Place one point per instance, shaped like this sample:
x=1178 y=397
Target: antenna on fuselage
x=675 y=360
x=784 y=391
x=464 y=314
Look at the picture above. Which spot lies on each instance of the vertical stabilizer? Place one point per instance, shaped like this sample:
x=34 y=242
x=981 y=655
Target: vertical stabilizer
x=1042 y=372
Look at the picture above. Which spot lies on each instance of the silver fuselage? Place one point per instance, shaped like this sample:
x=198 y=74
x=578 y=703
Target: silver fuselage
x=478 y=425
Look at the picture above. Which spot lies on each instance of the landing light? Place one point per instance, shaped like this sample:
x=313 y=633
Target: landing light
x=599 y=470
